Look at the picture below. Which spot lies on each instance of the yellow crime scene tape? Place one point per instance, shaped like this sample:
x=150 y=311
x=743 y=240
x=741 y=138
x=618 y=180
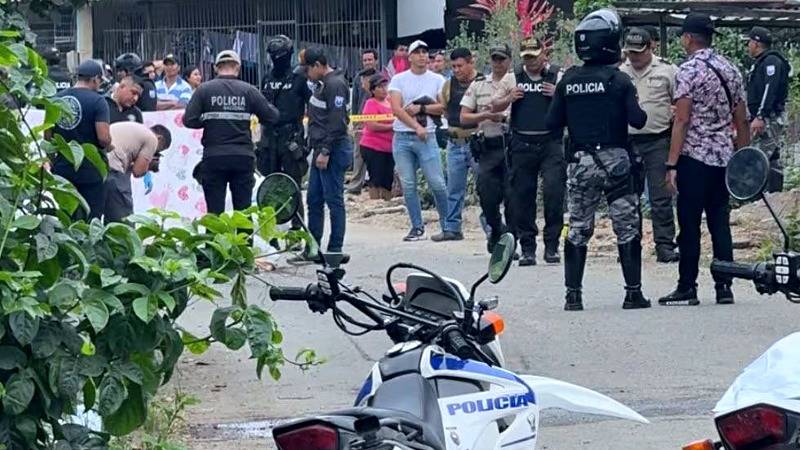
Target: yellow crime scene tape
x=357 y=118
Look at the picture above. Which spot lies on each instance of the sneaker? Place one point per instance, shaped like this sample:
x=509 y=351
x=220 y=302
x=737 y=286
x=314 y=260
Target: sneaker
x=447 y=236
x=680 y=296
x=416 y=234
x=551 y=256
x=574 y=301
x=528 y=259
x=635 y=300
x=724 y=294
x=667 y=255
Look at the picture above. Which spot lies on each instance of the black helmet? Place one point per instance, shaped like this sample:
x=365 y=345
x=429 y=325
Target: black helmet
x=598 y=37
x=280 y=46
x=51 y=55
x=129 y=62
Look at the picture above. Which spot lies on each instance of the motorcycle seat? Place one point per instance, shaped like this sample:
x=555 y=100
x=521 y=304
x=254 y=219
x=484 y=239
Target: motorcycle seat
x=431 y=435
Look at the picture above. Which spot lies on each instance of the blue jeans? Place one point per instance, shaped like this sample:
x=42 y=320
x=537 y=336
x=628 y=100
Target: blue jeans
x=326 y=187
x=411 y=154
x=459 y=163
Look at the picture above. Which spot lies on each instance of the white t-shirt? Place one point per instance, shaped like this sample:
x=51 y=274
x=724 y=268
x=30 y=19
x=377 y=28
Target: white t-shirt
x=412 y=86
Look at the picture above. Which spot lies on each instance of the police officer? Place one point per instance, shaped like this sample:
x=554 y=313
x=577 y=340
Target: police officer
x=654 y=80
x=60 y=77
x=130 y=64
x=597 y=102
x=282 y=147
x=222 y=108
x=767 y=90
x=535 y=149
x=490 y=141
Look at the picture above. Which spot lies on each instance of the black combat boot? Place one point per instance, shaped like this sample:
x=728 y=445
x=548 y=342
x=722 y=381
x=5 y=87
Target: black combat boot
x=528 y=256
x=551 y=255
x=724 y=293
x=574 y=263
x=630 y=256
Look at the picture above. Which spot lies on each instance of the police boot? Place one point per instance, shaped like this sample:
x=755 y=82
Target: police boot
x=630 y=256
x=574 y=263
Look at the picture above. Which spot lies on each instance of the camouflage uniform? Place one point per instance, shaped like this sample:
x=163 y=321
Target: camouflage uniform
x=587 y=181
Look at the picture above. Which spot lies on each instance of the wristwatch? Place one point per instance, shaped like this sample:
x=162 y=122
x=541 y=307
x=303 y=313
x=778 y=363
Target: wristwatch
x=671 y=166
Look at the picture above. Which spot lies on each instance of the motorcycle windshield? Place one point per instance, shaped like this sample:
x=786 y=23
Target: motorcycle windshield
x=773 y=378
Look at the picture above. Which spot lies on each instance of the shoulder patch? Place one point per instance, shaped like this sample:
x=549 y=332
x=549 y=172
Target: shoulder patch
x=338 y=101
x=770 y=70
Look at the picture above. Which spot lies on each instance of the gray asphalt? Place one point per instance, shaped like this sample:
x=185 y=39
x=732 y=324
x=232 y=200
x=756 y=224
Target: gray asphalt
x=669 y=363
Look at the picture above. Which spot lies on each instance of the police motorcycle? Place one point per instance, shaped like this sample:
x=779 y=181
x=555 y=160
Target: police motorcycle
x=439 y=387
x=761 y=409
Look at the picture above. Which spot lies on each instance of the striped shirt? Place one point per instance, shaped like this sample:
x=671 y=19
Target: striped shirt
x=180 y=91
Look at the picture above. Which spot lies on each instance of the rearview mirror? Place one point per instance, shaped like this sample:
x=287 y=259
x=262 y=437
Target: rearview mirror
x=280 y=192
x=747 y=173
x=502 y=256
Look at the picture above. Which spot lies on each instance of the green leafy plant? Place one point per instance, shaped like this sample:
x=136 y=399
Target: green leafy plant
x=88 y=312
x=162 y=429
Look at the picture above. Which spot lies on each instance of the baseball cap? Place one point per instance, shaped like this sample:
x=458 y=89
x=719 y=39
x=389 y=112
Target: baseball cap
x=416 y=45
x=698 y=23
x=655 y=34
x=376 y=80
x=90 y=68
x=637 y=40
x=500 y=50
x=531 y=47
x=227 y=56
x=171 y=59
x=760 y=34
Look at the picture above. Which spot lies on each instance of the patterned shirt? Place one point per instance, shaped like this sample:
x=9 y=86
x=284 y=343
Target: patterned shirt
x=709 y=138
x=180 y=91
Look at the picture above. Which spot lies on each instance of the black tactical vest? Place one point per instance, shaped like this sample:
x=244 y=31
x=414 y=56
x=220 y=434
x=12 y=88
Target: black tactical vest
x=593 y=111
x=282 y=91
x=457 y=91
x=528 y=113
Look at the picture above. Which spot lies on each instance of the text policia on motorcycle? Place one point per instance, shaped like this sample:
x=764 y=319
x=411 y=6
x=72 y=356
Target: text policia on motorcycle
x=437 y=130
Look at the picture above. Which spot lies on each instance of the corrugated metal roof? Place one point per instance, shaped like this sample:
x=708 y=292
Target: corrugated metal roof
x=731 y=13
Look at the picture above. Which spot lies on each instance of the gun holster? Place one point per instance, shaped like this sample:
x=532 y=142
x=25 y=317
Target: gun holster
x=637 y=171
x=477 y=145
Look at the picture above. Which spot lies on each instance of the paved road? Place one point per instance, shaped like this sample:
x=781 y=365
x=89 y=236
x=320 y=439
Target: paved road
x=670 y=364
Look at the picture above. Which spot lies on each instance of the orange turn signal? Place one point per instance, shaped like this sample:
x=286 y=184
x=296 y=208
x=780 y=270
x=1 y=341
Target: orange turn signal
x=496 y=320
x=700 y=445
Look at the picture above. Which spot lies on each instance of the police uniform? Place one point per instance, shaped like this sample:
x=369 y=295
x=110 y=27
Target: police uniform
x=222 y=107
x=535 y=149
x=767 y=90
x=148 y=100
x=597 y=102
x=60 y=77
x=132 y=114
x=493 y=173
x=655 y=86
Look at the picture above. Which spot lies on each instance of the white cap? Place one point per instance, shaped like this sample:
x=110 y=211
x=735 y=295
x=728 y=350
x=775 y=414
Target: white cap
x=227 y=56
x=417 y=45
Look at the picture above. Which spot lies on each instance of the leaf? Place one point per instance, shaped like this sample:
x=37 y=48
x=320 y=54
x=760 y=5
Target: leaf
x=259 y=326
x=167 y=300
x=108 y=277
x=239 y=291
x=23 y=326
x=69 y=378
x=110 y=395
x=214 y=224
x=19 y=393
x=275 y=373
x=96 y=312
x=2 y=391
x=129 y=416
x=46 y=341
x=277 y=337
x=26 y=426
x=94 y=157
x=146 y=308
x=91 y=366
x=192 y=342
x=96 y=231
x=45 y=247
x=73 y=152
x=130 y=371
x=89 y=394
x=12 y=358
x=26 y=222
x=172 y=349
x=235 y=338
x=88 y=348
x=132 y=288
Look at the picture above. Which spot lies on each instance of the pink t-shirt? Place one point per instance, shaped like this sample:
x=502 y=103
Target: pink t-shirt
x=377 y=140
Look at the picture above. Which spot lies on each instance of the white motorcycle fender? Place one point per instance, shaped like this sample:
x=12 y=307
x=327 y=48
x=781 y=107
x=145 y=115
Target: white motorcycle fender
x=551 y=393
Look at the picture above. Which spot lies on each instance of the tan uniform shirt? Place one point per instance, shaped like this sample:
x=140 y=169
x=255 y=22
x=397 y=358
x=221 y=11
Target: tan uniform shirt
x=479 y=98
x=129 y=141
x=655 y=86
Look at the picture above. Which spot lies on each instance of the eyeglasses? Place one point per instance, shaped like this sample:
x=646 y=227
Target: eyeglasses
x=402 y=49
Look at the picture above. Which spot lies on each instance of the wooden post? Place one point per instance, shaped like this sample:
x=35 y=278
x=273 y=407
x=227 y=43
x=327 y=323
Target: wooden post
x=84 y=33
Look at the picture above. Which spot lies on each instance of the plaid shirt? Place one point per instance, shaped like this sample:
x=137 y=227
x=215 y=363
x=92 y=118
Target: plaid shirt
x=709 y=138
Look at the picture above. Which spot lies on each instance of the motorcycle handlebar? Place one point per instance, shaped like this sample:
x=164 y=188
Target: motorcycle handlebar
x=735 y=270
x=288 y=293
x=460 y=345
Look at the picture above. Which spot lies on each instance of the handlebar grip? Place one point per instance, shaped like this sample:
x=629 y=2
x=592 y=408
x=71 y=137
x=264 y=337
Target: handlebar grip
x=288 y=293
x=460 y=346
x=735 y=270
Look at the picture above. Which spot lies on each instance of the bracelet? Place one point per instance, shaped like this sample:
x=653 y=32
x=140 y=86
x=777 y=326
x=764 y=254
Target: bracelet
x=671 y=167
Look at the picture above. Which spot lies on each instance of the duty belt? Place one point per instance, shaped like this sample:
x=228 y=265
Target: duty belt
x=646 y=138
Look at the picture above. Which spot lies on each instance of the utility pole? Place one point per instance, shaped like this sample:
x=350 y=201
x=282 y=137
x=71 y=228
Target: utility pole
x=84 y=32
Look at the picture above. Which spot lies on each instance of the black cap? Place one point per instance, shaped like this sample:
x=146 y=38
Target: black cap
x=500 y=50
x=90 y=69
x=760 y=34
x=637 y=40
x=171 y=59
x=376 y=80
x=698 y=23
x=655 y=34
